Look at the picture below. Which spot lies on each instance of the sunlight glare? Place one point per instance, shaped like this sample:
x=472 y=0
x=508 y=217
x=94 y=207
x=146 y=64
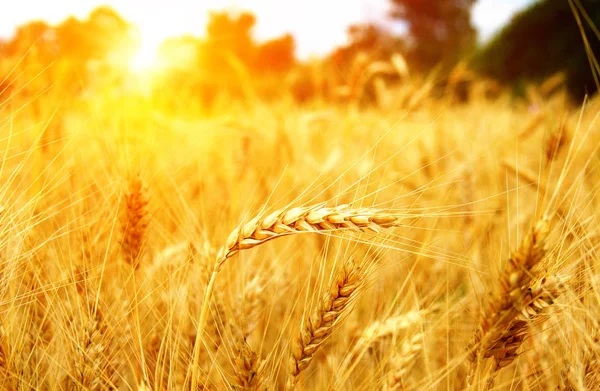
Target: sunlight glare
x=146 y=56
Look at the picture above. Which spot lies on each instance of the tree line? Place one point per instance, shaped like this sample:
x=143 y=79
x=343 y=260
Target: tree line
x=543 y=39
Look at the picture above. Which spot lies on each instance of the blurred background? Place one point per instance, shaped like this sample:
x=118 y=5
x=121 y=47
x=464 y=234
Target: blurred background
x=136 y=135
x=257 y=49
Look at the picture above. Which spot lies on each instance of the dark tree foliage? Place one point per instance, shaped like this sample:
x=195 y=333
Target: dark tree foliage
x=369 y=39
x=543 y=39
x=439 y=31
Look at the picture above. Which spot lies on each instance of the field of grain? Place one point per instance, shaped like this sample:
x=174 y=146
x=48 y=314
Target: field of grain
x=415 y=244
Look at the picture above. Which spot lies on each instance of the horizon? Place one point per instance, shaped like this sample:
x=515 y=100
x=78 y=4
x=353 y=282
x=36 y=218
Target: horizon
x=184 y=17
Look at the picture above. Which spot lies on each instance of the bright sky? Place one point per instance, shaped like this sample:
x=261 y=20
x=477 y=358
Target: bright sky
x=317 y=25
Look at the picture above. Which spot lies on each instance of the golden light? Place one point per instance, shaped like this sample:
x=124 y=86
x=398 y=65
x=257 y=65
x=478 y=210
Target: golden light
x=146 y=56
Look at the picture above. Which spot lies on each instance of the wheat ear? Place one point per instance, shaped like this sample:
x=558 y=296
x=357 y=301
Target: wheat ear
x=509 y=297
x=135 y=222
x=379 y=330
x=402 y=362
x=316 y=218
x=248 y=368
x=536 y=300
x=317 y=327
x=92 y=366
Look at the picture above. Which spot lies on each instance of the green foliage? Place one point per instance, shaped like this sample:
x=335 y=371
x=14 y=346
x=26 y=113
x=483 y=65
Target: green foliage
x=541 y=40
x=439 y=31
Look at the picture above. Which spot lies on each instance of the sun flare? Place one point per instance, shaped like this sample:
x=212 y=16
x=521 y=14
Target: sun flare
x=146 y=55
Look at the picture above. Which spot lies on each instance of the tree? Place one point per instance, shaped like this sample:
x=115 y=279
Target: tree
x=60 y=56
x=368 y=39
x=230 y=57
x=229 y=34
x=36 y=38
x=94 y=38
x=276 y=55
x=541 y=40
x=105 y=31
x=439 y=31
x=24 y=59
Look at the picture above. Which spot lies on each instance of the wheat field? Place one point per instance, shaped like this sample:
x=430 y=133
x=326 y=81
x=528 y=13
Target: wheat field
x=416 y=244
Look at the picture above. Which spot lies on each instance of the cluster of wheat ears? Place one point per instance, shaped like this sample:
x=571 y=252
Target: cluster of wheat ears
x=443 y=246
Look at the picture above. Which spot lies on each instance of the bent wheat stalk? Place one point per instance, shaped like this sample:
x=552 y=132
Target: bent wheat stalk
x=284 y=222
